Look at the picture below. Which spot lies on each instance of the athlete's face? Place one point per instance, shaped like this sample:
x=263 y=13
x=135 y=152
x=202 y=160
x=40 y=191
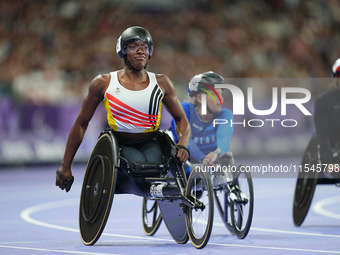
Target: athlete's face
x=212 y=106
x=213 y=100
x=138 y=54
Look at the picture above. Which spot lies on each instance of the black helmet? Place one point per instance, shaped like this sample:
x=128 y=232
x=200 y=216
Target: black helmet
x=202 y=81
x=336 y=67
x=133 y=34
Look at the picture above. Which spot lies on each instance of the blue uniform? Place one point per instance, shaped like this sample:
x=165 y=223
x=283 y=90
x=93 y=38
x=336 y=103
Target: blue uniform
x=206 y=138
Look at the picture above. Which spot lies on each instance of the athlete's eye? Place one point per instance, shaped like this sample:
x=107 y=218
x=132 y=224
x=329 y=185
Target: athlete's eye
x=132 y=49
x=145 y=48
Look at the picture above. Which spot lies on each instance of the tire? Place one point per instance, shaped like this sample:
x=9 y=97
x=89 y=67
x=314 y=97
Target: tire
x=243 y=207
x=97 y=190
x=199 y=222
x=151 y=215
x=306 y=183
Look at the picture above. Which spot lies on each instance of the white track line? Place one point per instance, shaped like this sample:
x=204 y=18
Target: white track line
x=275 y=248
x=57 y=251
x=318 y=207
x=26 y=216
x=283 y=231
x=293 y=232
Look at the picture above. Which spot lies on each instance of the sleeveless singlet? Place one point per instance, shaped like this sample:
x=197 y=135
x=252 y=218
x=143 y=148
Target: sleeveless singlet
x=133 y=111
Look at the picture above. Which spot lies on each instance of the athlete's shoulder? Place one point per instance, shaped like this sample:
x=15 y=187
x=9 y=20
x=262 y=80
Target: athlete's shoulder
x=165 y=83
x=162 y=78
x=186 y=105
x=102 y=78
x=225 y=113
x=100 y=83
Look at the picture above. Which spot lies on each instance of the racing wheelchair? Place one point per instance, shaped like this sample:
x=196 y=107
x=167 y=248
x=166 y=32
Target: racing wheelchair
x=234 y=200
x=312 y=172
x=186 y=204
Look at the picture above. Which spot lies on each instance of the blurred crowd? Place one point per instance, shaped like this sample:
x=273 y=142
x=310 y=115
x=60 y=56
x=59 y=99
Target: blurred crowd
x=51 y=50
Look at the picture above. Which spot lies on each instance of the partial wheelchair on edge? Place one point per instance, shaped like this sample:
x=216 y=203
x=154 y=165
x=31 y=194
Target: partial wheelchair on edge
x=310 y=174
x=186 y=205
x=234 y=199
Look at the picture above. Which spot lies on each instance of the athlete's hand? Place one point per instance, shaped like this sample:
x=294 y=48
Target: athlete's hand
x=182 y=153
x=64 y=178
x=210 y=159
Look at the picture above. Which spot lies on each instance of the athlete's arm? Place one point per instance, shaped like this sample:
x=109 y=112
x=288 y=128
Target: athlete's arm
x=224 y=131
x=95 y=95
x=175 y=108
x=196 y=155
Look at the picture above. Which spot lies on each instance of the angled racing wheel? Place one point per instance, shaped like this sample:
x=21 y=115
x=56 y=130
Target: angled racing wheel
x=98 y=189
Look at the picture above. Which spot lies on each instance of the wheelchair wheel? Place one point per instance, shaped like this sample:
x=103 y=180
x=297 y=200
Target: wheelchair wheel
x=306 y=183
x=152 y=217
x=199 y=221
x=223 y=205
x=172 y=211
x=97 y=190
x=242 y=206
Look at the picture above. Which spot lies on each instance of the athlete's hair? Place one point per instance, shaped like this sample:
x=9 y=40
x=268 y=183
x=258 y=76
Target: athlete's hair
x=133 y=34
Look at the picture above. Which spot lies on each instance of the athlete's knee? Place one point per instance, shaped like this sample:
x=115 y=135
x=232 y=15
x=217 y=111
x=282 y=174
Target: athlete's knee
x=152 y=152
x=132 y=154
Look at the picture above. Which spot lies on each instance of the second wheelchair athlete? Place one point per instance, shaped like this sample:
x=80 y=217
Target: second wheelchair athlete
x=208 y=144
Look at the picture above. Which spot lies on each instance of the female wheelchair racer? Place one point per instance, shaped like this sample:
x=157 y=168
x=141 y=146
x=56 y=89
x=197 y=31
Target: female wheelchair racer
x=133 y=98
x=186 y=205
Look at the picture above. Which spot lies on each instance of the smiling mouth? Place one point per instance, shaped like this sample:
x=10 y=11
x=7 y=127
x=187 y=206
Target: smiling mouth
x=140 y=58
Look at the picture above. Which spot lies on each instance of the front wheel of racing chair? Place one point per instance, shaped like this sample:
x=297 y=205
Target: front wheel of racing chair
x=241 y=202
x=199 y=220
x=235 y=197
x=151 y=215
x=163 y=208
